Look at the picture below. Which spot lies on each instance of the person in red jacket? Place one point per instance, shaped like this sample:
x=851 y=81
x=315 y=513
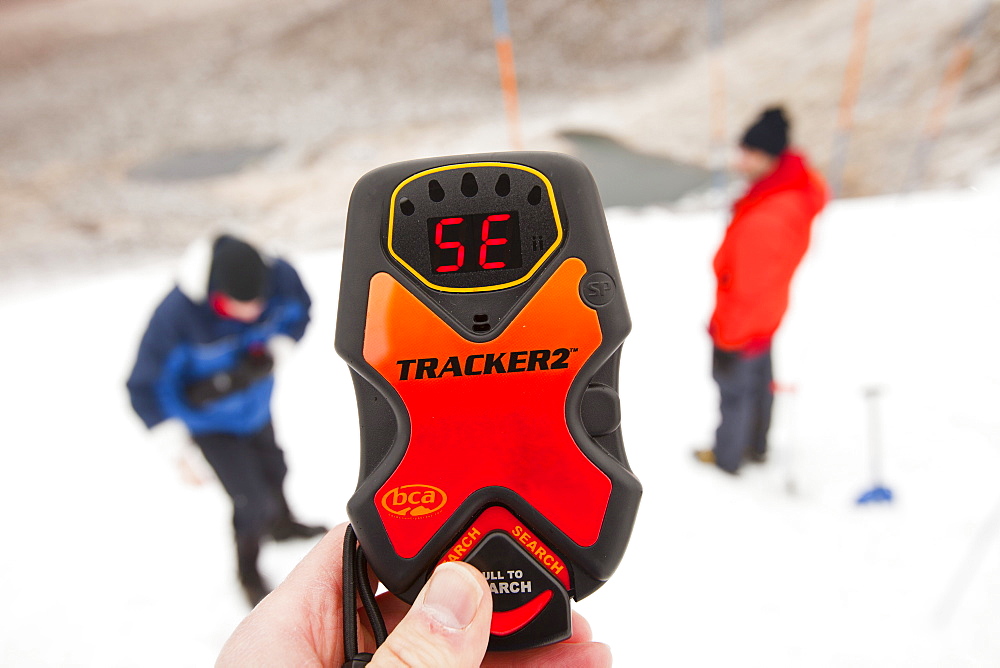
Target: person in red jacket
x=763 y=245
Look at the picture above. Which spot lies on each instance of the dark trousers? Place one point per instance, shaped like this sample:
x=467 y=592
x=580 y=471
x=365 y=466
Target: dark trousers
x=746 y=397
x=252 y=469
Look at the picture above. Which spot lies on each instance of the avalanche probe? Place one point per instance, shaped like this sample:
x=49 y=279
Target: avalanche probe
x=482 y=316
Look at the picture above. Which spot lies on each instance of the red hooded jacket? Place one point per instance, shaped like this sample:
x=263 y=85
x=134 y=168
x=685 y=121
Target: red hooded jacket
x=765 y=241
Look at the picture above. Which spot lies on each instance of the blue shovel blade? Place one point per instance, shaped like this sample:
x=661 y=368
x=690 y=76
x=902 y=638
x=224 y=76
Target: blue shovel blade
x=877 y=494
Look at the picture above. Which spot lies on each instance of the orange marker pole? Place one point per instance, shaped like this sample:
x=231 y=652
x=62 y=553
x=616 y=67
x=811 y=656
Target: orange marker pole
x=508 y=75
x=717 y=100
x=849 y=94
x=947 y=94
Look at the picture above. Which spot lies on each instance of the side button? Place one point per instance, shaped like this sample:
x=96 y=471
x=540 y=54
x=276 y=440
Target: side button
x=530 y=606
x=602 y=410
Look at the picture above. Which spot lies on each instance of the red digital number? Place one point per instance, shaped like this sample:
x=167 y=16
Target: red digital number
x=445 y=245
x=492 y=241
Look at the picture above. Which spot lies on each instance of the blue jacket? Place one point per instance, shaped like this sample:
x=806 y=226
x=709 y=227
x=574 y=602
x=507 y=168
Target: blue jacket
x=186 y=341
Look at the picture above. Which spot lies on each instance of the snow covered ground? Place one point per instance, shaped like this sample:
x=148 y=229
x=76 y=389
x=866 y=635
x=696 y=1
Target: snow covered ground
x=110 y=560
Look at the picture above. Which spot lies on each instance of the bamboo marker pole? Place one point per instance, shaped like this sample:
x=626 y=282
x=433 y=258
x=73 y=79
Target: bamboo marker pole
x=508 y=75
x=849 y=95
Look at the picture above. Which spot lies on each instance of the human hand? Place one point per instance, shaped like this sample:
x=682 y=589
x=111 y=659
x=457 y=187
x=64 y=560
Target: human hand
x=281 y=347
x=300 y=623
x=172 y=439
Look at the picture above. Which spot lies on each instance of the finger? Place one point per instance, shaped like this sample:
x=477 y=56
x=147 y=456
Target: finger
x=561 y=655
x=448 y=625
x=394 y=609
x=577 y=650
x=301 y=619
x=188 y=475
x=581 y=630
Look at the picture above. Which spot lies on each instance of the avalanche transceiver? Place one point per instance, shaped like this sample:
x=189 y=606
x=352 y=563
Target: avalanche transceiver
x=482 y=316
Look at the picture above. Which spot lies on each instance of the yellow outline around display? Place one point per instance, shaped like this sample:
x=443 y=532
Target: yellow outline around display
x=545 y=256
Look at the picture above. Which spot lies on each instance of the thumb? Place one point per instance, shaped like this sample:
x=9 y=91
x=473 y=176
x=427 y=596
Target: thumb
x=448 y=625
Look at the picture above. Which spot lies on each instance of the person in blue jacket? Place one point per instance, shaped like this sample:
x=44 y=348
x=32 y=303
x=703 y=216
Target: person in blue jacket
x=206 y=362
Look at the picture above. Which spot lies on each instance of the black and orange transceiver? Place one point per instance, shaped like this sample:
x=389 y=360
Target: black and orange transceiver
x=482 y=316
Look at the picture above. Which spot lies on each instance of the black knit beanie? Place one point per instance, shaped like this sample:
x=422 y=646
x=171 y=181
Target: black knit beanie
x=769 y=134
x=238 y=270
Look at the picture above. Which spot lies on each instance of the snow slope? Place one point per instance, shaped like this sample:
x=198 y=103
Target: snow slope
x=112 y=561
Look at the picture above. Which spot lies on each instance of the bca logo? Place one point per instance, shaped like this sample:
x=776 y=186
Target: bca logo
x=414 y=500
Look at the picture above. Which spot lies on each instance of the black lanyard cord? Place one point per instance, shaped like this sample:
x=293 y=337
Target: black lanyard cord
x=356 y=583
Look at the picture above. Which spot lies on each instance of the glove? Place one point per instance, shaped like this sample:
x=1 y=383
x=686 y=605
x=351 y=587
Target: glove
x=172 y=439
x=281 y=347
x=255 y=365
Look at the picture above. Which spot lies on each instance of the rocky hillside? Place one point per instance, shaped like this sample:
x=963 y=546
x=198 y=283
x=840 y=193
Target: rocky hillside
x=100 y=99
